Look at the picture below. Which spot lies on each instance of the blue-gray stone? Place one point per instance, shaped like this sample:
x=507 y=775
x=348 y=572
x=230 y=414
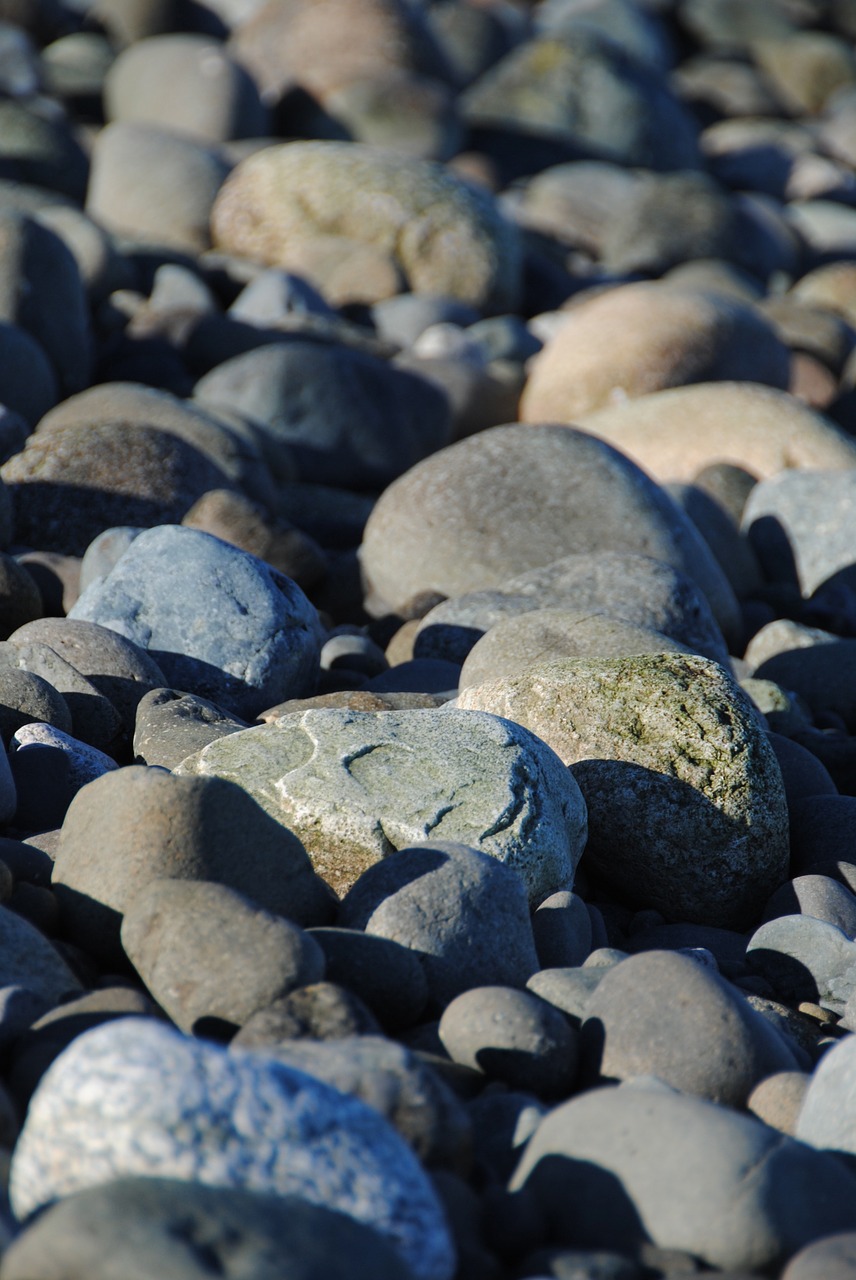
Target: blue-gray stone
x=219 y=622
x=805 y=959
x=134 y=1097
x=827 y=1117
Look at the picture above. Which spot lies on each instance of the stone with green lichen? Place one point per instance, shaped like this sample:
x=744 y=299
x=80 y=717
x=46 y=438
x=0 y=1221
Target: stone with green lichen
x=355 y=786
x=687 y=809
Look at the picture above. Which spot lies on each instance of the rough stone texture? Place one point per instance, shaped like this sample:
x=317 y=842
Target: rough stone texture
x=189 y=1231
x=545 y=634
x=354 y=786
x=445 y=236
x=700 y=831
x=219 y=622
x=28 y=959
x=460 y=913
x=452 y=523
x=186 y=1109
x=827 y=1119
x=612 y=589
x=210 y=956
x=645 y=1163
x=662 y=1014
x=137 y=825
x=171 y=725
x=640 y=338
x=675 y=433
x=808 y=514
x=390 y=1078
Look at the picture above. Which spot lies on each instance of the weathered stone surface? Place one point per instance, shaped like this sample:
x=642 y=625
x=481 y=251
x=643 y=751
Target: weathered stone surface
x=183 y=1229
x=171 y=725
x=453 y=523
x=647 y=1164
x=462 y=914
x=186 y=1109
x=700 y=831
x=674 y=433
x=136 y=825
x=219 y=622
x=446 y=237
x=354 y=786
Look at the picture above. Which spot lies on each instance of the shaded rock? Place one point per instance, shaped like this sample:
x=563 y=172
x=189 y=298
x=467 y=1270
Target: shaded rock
x=805 y=959
x=354 y=786
x=834 y=1256
x=41 y=150
x=176 y=934
x=246 y=1234
x=463 y=916
x=808 y=514
x=562 y=930
x=219 y=622
x=451 y=524
x=85 y=763
x=802 y=773
x=385 y=974
x=777 y=1099
x=138 y=825
x=502 y=1125
x=817 y=896
x=826 y=1118
x=243 y=1117
x=822 y=675
x=28 y=959
x=668 y=220
x=455 y=241
x=26 y=698
x=682 y=746
x=246 y=524
x=641 y=338
x=171 y=725
x=569 y=988
x=317 y=1011
x=28 y=384
x=823 y=829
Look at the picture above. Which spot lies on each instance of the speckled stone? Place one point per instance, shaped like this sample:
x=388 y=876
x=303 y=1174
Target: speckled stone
x=187 y=1109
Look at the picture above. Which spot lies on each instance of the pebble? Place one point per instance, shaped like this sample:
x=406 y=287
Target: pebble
x=315 y=1011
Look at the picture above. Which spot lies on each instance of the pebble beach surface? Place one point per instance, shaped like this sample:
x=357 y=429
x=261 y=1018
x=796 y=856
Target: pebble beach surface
x=427 y=639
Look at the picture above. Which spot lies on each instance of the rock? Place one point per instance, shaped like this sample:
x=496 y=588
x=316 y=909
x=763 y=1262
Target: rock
x=25 y=699
x=833 y=1258
x=451 y=523
x=777 y=1099
x=817 y=896
x=210 y=956
x=612 y=590
x=523 y=641
x=385 y=974
x=85 y=763
x=805 y=959
x=502 y=1125
x=338 y=415
x=806 y=514
x=802 y=773
x=456 y=242
x=823 y=676
x=185 y=82
x=806 y=69
x=673 y=735
x=826 y=1117
x=28 y=384
x=561 y=927
x=115 y=477
x=136 y=825
x=219 y=622
x=644 y=1163
x=28 y=959
x=390 y=1078
x=94 y=719
x=661 y=1014
x=237 y=1120
x=103 y=552
x=317 y=1011
x=657 y=337
x=155 y=185
x=782 y=636
x=822 y=829
x=419 y=675
x=190 y=1228
x=460 y=913
x=569 y=988
x=41 y=150
x=512 y=1036
x=172 y=725
x=246 y=524
x=354 y=786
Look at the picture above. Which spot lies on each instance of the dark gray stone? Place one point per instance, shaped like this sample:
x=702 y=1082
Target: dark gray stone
x=317 y=1011
x=561 y=926
x=171 y=725
x=386 y=975
x=823 y=829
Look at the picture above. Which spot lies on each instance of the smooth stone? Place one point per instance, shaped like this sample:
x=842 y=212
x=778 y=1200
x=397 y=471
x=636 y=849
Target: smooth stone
x=28 y=959
x=403 y=318
x=458 y=243
x=261 y=638
x=823 y=829
x=273 y=295
x=502 y=1125
x=662 y=1014
x=419 y=675
x=826 y=1120
x=94 y=718
x=111 y=664
x=85 y=763
x=643 y=1163
x=184 y=1229
x=41 y=150
x=669 y=338
x=19 y=1008
x=154 y=185
x=185 y=82
x=104 y=551
x=451 y=523
x=823 y=676
x=394 y=1081
x=612 y=590
x=808 y=513
x=337 y=415
x=783 y=635
x=519 y=642
x=676 y=738
x=561 y=927
x=28 y=384
x=462 y=914
x=817 y=896
x=210 y=956
x=802 y=773
x=727 y=946
x=833 y=1258
x=26 y=698
x=317 y=1011
x=354 y=786
x=246 y=524
x=805 y=959
x=777 y=1099
x=136 y=825
x=568 y=988
x=722 y=534
x=387 y=975
x=236 y=1121
x=670 y=219
x=804 y=72
x=512 y=1036
x=171 y=725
